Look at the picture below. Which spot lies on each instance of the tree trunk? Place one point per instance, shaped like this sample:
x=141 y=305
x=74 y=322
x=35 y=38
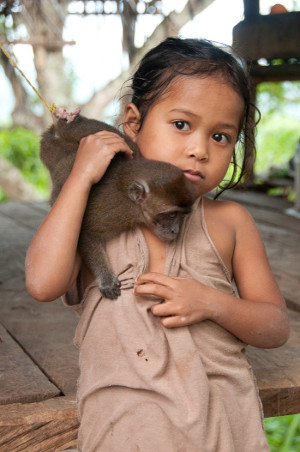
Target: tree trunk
x=22 y=114
x=170 y=26
x=14 y=185
x=128 y=18
x=44 y=21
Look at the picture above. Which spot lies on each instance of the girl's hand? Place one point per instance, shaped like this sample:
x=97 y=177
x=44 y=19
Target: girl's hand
x=95 y=153
x=185 y=301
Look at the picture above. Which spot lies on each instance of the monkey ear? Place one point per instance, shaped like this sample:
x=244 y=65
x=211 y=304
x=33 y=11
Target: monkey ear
x=138 y=191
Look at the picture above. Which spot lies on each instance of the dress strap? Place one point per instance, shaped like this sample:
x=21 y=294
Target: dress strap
x=205 y=230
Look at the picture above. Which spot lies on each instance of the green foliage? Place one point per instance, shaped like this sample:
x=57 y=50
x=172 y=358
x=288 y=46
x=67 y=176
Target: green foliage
x=276 y=141
x=20 y=147
x=278 y=132
x=283 y=433
x=274 y=97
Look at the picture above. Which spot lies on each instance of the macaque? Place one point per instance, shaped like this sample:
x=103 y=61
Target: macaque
x=132 y=193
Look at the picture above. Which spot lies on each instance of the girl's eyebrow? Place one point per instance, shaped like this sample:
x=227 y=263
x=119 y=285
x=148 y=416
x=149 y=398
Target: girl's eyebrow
x=228 y=126
x=182 y=110
x=190 y=113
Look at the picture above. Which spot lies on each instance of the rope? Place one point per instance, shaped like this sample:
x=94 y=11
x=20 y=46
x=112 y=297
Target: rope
x=52 y=109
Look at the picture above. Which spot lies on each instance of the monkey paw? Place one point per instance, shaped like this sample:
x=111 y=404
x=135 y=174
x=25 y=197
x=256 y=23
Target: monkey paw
x=61 y=113
x=110 y=287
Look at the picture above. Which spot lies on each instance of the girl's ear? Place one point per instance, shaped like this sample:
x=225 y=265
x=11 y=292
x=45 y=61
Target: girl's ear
x=131 y=120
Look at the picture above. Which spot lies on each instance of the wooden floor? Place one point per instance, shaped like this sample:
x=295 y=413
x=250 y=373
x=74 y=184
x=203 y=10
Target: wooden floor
x=38 y=362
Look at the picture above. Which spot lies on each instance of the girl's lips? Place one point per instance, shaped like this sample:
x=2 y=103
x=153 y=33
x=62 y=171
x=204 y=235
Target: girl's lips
x=194 y=176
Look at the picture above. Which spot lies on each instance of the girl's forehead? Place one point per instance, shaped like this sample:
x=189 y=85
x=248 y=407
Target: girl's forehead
x=183 y=83
x=210 y=97
x=196 y=87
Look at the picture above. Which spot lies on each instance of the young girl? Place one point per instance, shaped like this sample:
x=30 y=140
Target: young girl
x=163 y=367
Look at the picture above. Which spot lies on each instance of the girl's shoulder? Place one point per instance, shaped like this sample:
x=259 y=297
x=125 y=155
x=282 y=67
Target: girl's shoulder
x=232 y=222
x=229 y=212
x=228 y=223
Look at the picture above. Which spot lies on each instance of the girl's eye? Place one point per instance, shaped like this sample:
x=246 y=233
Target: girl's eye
x=181 y=125
x=220 y=138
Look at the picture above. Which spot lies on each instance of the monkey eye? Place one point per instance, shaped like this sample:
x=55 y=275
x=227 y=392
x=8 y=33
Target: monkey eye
x=172 y=214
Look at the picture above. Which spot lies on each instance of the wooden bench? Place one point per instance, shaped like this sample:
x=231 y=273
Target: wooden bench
x=39 y=364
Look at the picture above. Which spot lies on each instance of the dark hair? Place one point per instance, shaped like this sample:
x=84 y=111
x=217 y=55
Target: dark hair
x=197 y=57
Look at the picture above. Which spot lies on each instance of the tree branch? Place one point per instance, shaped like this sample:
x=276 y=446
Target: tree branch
x=38 y=41
x=170 y=26
x=21 y=115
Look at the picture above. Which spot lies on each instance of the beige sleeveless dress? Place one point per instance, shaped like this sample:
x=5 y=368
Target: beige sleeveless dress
x=147 y=388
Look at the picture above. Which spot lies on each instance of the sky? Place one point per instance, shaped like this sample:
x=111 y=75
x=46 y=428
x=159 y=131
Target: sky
x=95 y=65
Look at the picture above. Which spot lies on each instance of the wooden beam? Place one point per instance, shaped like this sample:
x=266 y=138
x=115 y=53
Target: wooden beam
x=47 y=426
x=24 y=381
x=275 y=73
x=278 y=373
x=271 y=37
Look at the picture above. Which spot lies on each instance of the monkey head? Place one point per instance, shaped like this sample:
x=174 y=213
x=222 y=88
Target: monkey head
x=164 y=207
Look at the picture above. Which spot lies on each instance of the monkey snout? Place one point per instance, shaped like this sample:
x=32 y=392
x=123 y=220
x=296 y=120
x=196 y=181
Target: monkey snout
x=175 y=229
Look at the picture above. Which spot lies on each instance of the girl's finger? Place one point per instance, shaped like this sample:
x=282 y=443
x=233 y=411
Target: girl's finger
x=110 y=139
x=156 y=278
x=151 y=288
x=175 y=321
x=163 y=309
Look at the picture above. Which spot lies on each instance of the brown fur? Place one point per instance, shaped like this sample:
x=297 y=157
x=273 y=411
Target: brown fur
x=132 y=193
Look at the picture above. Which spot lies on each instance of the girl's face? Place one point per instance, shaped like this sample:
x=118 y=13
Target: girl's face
x=194 y=126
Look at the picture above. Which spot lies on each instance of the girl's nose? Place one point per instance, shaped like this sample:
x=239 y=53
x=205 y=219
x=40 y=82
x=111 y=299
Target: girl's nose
x=198 y=150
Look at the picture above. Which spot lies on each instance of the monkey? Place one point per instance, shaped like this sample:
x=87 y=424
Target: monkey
x=132 y=193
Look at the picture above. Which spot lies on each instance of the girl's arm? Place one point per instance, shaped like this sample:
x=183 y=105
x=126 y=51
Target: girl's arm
x=52 y=262
x=258 y=317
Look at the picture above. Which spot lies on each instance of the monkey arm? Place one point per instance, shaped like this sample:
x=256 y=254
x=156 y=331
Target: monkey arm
x=52 y=262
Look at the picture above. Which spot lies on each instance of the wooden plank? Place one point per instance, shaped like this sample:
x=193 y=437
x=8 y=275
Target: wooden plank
x=25 y=213
x=266 y=209
x=287 y=222
x=257 y=199
x=21 y=379
x=283 y=250
x=14 y=240
x=44 y=330
x=278 y=373
x=48 y=426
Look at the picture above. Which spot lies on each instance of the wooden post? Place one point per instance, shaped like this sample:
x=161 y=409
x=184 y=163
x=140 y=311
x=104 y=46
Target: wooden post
x=251 y=9
x=297 y=177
